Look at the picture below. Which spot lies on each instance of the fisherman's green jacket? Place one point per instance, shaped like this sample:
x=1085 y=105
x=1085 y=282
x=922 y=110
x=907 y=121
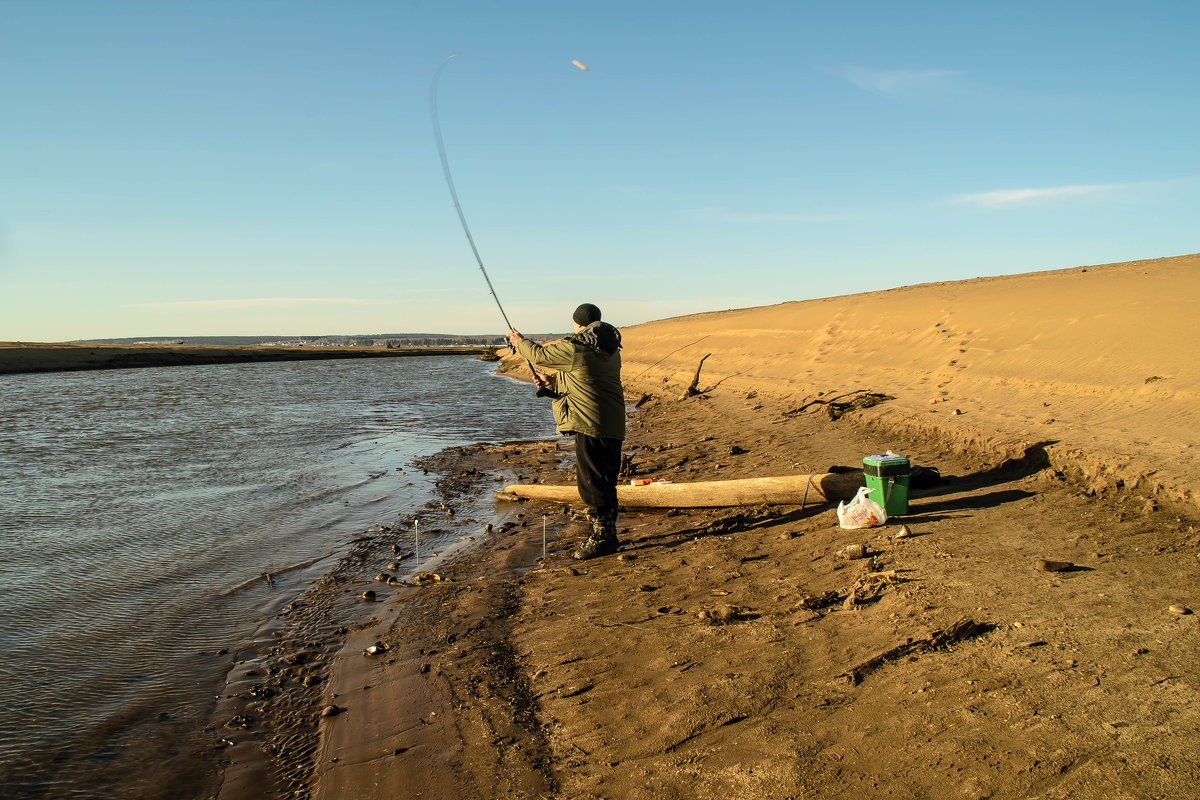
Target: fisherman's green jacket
x=591 y=399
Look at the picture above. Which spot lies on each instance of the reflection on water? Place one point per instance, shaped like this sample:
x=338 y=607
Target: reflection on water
x=134 y=502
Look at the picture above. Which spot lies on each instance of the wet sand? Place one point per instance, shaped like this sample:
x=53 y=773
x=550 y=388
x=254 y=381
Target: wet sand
x=738 y=652
x=43 y=357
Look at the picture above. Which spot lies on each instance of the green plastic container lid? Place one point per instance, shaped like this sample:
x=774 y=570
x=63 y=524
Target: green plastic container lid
x=885 y=464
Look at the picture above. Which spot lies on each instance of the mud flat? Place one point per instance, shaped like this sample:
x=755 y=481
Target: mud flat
x=39 y=357
x=740 y=652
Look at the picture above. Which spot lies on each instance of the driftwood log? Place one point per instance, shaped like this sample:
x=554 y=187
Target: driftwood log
x=784 y=490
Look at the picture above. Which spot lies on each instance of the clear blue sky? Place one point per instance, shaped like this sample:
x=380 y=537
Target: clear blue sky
x=195 y=168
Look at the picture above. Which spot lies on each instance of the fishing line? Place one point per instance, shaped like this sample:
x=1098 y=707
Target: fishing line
x=437 y=134
x=668 y=355
x=542 y=391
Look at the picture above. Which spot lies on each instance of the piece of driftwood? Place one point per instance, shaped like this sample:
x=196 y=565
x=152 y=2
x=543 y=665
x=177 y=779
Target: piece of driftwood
x=691 y=390
x=963 y=629
x=783 y=490
x=520 y=447
x=835 y=407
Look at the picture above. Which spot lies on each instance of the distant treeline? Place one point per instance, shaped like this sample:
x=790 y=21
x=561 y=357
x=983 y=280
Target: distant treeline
x=365 y=340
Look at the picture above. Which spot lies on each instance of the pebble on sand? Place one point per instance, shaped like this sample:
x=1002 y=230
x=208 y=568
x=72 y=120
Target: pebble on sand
x=1178 y=609
x=1053 y=566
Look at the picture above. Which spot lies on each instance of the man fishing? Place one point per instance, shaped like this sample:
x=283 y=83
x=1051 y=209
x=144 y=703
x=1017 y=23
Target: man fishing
x=590 y=404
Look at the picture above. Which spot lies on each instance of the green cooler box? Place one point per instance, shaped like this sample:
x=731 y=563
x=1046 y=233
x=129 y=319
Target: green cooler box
x=887 y=478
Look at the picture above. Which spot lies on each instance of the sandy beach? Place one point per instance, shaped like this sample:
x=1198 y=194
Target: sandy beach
x=739 y=652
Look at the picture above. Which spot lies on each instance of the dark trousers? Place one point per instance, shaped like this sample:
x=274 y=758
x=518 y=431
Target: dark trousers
x=597 y=464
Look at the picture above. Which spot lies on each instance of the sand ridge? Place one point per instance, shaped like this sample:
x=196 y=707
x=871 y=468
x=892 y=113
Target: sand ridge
x=1100 y=362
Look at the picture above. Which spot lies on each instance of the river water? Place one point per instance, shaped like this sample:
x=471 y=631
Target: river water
x=135 y=504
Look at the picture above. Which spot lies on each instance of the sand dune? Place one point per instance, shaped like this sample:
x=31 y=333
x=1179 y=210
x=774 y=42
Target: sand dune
x=1099 y=363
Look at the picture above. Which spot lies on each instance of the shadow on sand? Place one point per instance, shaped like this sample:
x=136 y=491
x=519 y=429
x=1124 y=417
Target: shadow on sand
x=1032 y=460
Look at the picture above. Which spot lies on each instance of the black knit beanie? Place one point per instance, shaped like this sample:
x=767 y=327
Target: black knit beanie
x=586 y=314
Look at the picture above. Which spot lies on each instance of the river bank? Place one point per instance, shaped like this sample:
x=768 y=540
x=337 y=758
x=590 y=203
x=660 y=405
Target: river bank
x=739 y=652
x=20 y=357
x=945 y=662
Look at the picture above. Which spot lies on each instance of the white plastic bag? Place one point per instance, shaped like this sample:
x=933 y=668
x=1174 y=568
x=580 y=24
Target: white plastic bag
x=861 y=512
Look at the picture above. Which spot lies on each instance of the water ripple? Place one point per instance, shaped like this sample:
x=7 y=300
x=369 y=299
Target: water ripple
x=135 y=503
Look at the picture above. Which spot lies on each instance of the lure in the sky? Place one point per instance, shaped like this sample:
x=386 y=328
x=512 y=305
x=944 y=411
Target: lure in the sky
x=581 y=65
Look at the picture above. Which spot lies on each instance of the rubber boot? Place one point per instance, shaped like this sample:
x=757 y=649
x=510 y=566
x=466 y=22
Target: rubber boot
x=608 y=533
x=602 y=542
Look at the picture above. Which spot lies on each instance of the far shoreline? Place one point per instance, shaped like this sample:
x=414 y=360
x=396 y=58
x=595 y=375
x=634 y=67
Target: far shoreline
x=29 y=357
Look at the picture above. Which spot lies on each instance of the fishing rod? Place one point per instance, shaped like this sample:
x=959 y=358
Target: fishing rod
x=543 y=391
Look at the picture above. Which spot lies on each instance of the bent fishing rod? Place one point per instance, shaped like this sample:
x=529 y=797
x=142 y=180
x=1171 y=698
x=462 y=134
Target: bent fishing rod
x=543 y=391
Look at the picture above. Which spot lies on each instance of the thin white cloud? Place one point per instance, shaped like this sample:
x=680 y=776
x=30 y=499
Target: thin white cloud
x=259 y=302
x=1003 y=198
x=897 y=81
